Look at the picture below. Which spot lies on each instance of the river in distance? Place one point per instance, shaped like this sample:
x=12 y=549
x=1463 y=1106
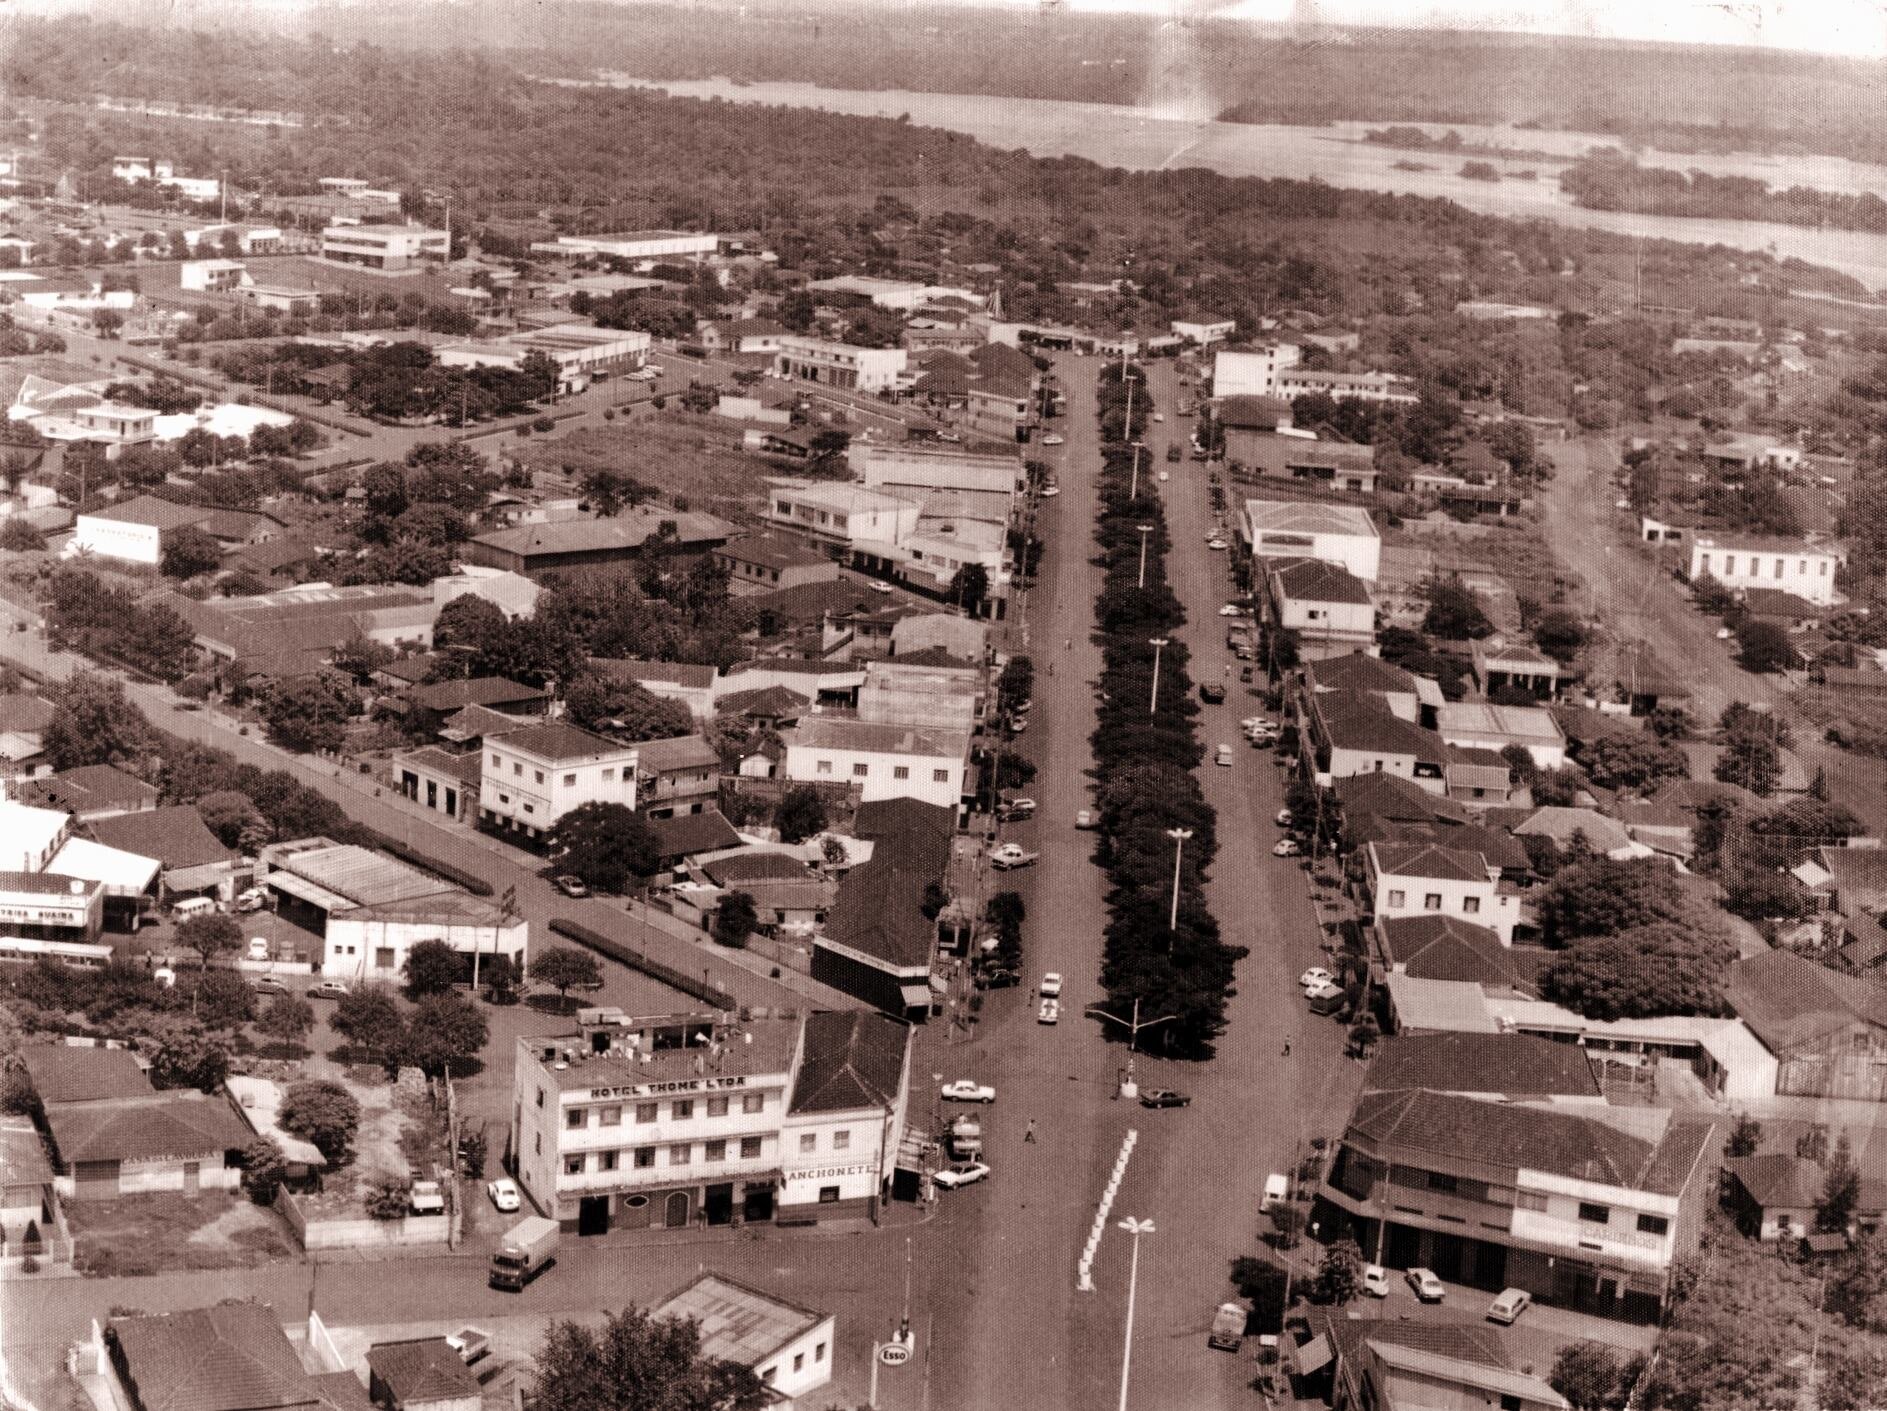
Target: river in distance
x=1142 y=139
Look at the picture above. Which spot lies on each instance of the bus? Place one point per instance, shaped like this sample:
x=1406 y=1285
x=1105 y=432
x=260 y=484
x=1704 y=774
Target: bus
x=20 y=950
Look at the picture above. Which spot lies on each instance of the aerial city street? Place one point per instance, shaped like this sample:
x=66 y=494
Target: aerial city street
x=668 y=740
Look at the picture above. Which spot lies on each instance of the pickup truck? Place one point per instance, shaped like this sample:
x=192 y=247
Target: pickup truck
x=470 y=1343
x=1010 y=855
x=427 y=1198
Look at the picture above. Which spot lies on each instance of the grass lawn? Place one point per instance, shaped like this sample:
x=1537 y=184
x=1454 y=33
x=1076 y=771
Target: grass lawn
x=675 y=453
x=146 y=1234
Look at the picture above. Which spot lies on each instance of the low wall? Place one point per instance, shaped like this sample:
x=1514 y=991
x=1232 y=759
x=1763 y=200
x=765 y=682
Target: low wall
x=316 y=1234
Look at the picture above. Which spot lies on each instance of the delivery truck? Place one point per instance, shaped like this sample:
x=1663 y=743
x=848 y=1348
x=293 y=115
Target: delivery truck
x=1228 y=1328
x=528 y=1248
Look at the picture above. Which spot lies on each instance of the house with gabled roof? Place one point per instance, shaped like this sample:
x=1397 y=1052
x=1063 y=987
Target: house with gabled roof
x=1427 y=879
x=1439 y=947
x=1827 y=1030
x=1500 y=1067
x=1350 y=733
x=1402 y=693
x=785 y=1344
x=853 y=1081
x=1328 y=611
x=233 y=1356
x=421 y=1374
x=1381 y=1364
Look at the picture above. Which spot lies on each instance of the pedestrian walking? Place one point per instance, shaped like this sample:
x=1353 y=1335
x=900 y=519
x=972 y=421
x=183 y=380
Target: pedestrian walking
x=1287 y=1048
x=1029 y=1135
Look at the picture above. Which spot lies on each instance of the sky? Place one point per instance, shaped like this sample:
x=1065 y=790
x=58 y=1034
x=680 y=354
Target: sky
x=1856 y=28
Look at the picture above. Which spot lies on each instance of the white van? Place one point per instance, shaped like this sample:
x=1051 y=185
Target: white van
x=1277 y=1190
x=1509 y=1306
x=193 y=906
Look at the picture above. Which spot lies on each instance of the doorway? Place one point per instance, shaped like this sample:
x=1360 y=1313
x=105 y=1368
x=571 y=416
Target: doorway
x=675 y=1211
x=593 y=1215
x=719 y=1204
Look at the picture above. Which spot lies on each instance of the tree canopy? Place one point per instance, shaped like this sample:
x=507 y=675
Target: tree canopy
x=634 y=1362
x=606 y=844
x=1643 y=972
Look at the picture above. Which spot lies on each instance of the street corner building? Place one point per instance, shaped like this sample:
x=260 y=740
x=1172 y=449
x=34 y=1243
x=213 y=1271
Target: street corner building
x=701 y=1119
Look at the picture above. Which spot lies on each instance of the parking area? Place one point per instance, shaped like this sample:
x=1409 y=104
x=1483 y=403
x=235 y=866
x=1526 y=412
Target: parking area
x=1534 y=1338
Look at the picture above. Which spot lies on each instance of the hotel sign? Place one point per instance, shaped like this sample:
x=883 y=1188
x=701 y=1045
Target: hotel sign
x=678 y=1085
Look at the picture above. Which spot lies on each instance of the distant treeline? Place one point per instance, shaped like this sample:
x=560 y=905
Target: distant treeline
x=1610 y=182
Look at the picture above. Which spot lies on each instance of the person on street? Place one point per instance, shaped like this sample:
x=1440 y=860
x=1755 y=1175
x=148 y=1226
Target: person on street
x=1287 y=1048
x=1029 y=1135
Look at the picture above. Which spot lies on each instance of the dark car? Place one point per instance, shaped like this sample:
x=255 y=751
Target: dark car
x=1211 y=692
x=268 y=985
x=1173 y=452
x=997 y=979
x=1164 y=1097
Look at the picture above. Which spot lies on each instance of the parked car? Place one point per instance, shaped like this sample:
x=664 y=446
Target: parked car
x=1375 y=1281
x=1211 y=692
x=1015 y=810
x=1225 y=755
x=878 y=585
x=251 y=899
x=1316 y=976
x=258 y=947
x=1052 y=439
x=1324 y=999
x=1010 y=855
x=1049 y=1013
x=1049 y=492
x=1215 y=543
x=504 y=1194
x=328 y=989
x=967 y=1174
x=1050 y=988
x=1164 y=477
x=1283 y=818
x=570 y=886
x=470 y=1343
x=1173 y=453
x=1509 y=1305
x=268 y=985
x=1163 y=1097
x=998 y=979
x=1427 y=1287
x=1286 y=847
x=964 y=1090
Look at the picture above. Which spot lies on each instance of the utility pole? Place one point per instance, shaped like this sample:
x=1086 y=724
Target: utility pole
x=1145 y=529
x=1158 y=644
x=1179 y=837
x=1135 y=1228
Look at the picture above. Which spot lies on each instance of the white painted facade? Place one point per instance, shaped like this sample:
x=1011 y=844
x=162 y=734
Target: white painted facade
x=117 y=539
x=384 y=246
x=1251 y=372
x=370 y=945
x=839 y=364
x=1480 y=903
x=526 y=788
x=1806 y=570
x=930 y=767
x=843 y=514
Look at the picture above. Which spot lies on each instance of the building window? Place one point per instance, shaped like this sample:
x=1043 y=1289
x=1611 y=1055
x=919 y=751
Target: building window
x=538 y=774
x=1653 y=1225
x=517 y=769
x=819 y=1353
x=537 y=1143
x=610 y=1116
x=1431 y=901
x=540 y=1097
x=749 y=1147
x=645 y=1111
x=1529 y=1200
x=808 y=1141
x=1595 y=1214
x=861 y=771
x=576 y=1117
x=681 y=1154
x=799 y=1361
x=609 y=776
x=940 y=776
x=1778 y=568
x=900 y=771
x=1470 y=906
x=1398 y=898
x=606 y=1160
x=828 y=1195
x=1441 y=1181
x=383 y=957
x=573 y=1166
x=570 y=781
x=753 y=1102
x=645 y=1157
x=823 y=766
x=717 y=1107
x=681 y=1109
x=714 y=1151
x=841 y=1141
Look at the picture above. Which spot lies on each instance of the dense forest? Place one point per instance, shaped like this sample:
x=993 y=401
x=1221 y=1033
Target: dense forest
x=1610 y=181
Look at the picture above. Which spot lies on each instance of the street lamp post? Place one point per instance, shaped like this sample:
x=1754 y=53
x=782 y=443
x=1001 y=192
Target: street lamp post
x=1157 y=643
x=1133 y=485
x=1127 y=1087
x=1145 y=529
x=1179 y=837
x=1135 y=1228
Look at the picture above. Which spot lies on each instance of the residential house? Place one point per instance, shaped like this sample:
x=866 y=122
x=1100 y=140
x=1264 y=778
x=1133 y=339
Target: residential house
x=532 y=776
x=1350 y=733
x=421 y=1374
x=741 y=335
x=1373 y=803
x=1574 y=828
x=769 y=707
x=1485 y=726
x=233 y=1356
x=829 y=684
x=23 y=722
x=1508 y=668
x=1413 y=879
x=1594 y=1209
x=1339 y=534
x=1703 y=757
x=1775 y=1195
x=1337 y=465
x=194 y=861
x=1827 y=1030
x=682 y=837
x=764 y=562
x=641 y=533
x=1778 y=608
x=788 y=1346
x=1494 y=1067
x=1327 y=610
x=428 y=707
x=1442 y=947
x=252 y=633
x=877 y=944
x=1382 y=1364
x=1402 y=693
x=881 y=761
x=691 y=685
x=1742 y=562
x=676 y=776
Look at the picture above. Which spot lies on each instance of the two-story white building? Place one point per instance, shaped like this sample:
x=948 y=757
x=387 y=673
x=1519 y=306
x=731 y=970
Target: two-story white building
x=1425 y=879
x=840 y=365
x=1292 y=529
x=1251 y=372
x=844 y=517
x=533 y=776
x=682 y=1120
x=1742 y=562
x=881 y=761
x=943 y=479
x=384 y=246
x=1327 y=609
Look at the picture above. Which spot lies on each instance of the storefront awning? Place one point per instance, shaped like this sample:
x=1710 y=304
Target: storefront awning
x=939 y=985
x=915 y=996
x=311 y=892
x=1312 y=1356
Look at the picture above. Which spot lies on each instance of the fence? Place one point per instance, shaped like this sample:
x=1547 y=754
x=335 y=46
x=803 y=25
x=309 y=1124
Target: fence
x=699 y=989
x=315 y=1233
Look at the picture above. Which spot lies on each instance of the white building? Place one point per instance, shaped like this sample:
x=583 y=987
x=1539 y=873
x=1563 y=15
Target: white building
x=1327 y=609
x=1339 y=534
x=1806 y=570
x=932 y=555
x=134 y=531
x=839 y=365
x=211 y=276
x=1424 y=879
x=881 y=761
x=1203 y=334
x=676 y=1121
x=1481 y=725
x=927 y=697
x=30 y=837
x=789 y=1347
x=896 y=294
x=1360 y=386
x=48 y=906
x=1251 y=372
x=581 y=353
x=388 y=247
x=843 y=515
x=535 y=775
x=635 y=245
x=372 y=942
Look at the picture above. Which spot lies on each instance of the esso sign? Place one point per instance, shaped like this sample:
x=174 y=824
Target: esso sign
x=894 y=1354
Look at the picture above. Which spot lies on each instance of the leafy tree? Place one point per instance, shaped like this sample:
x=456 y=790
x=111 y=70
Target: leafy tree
x=445 y=1030
x=286 y=1018
x=308 y=713
x=735 y=919
x=1560 y=634
x=1633 y=760
x=387 y=1196
x=565 y=968
x=468 y=621
x=1454 y=611
x=802 y=814
x=1339 y=1276
x=1858 y=1281
x=1763 y=646
x=1600 y=897
x=1752 y=761
x=1840 y=1190
x=222 y=999
x=1812 y=1144
x=18 y=536
x=502 y=979
x=624 y=710
x=1588 y=1376
x=187 y=1055
x=264 y=1168
x=432 y=968
x=1016 y=684
x=360 y=656
x=93 y=723
x=606 y=844
x=1641 y=973
x=234 y=818
x=1745 y=1137
x=634 y=1362
x=385 y=487
x=321 y=1111
x=369 y=1018
x=969 y=587
x=189 y=551
x=209 y=935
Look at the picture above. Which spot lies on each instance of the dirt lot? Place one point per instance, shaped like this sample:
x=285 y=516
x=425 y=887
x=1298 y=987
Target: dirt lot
x=143 y=1234
x=684 y=457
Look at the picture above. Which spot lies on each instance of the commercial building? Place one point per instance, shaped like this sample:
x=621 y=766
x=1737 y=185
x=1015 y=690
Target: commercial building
x=943 y=480
x=535 y=775
x=1739 y=563
x=677 y=1120
x=634 y=245
x=1428 y=879
x=91 y=791
x=211 y=276
x=844 y=517
x=1350 y=733
x=786 y=1345
x=1357 y=386
x=1251 y=372
x=311 y=621
x=926 y=696
x=647 y=531
x=1380 y=1364
x=440 y=780
x=677 y=777
x=192 y=859
x=899 y=295
x=385 y=247
x=1336 y=464
x=134 y=530
x=1339 y=534
x=1203 y=333
x=839 y=365
x=1327 y=610
x=880 y=761
x=1481 y=725
x=110 y=425
x=582 y=354
x=46 y=906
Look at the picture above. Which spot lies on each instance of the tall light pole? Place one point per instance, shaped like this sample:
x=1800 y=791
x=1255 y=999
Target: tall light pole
x=1133 y=486
x=1157 y=643
x=1145 y=529
x=1179 y=837
x=1135 y=1228
x=1127 y=1088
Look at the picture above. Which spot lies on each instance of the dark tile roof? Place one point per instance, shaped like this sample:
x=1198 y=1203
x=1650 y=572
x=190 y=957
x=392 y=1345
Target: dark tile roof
x=1788 y=1001
x=147 y=1127
x=1514 y=1065
x=1254 y=413
x=756 y=867
x=467 y=768
x=665 y=673
x=1448 y=948
x=422 y=1369
x=1778 y=1179
x=1773 y=602
x=1860 y=877
x=82 y=1073
x=150 y=510
x=689 y=833
x=232 y=1357
x=1317 y=581
x=1500 y=847
x=1428 y=860
x=476 y=722
x=45 y=883
x=341 y=1391
x=909 y=832
x=769 y=702
x=675 y=752
x=1390 y=796
x=24 y=714
x=87 y=787
x=809 y=602
x=1359 y=671
x=447 y=696
x=771 y=550
x=555 y=740
x=1356 y=721
x=851 y=1059
x=176 y=836
x=878 y=912
x=1465 y=1342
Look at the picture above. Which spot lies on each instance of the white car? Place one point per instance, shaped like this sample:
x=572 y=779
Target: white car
x=1051 y=439
x=504 y=1194
x=1427 y=1287
x=1375 y=1281
x=879 y=586
x=1230 y=610
x=1215 y=543
x=1050 y=988
x=1159 y=416
x=1284 y=818
x=1049 y=492
x=963 y=1090
x=1084 y=818
x=1049 y=1013
x=1164 y=477
x=1010 y=855
x=1286 y=847
x=1316 y=976
x=966 y=1175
